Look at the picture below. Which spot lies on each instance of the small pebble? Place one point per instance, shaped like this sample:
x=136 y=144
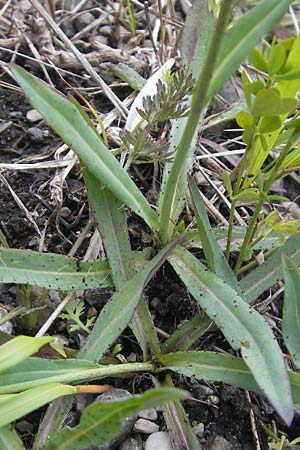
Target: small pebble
x=15 y=115
x=158 y=441
x=7 y=326
x=83 y=20
x=218 y=443
x=24 y=427
x=35 y=134
x=131 y=444
x=148 y=414
x=202 y=391
x=199 y=429
x=145 y=426
x=213 y=399
x=33 y=116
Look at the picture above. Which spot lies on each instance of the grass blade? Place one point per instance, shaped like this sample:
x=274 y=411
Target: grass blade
x=52 y=271
x=73 y=127
x=244 y=328
x=102 y=421
x=291 y=309
x=242 y=37
x=19 y=348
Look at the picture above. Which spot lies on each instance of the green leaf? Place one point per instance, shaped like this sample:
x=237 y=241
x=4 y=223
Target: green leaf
x=244 y=328
x=102 y=421
x=243 y=36
x=270 y=272
x=291 y=309
x=257 y=60
x=130 y=76
x=21 y=404
x=244 y=119
x=196 y=37
x=287 y=89
x=117 y=313
x=248 y=195
x=287 y=105
x=213 y=366
x=52 y=271
x=214 y=255
x=38 y=369
x=268 y=124
x=9 y=439
x=267 y=103
x=277 y=58
x=19 y=348
x=111 y=221
x=186 y=335
x=68 y=122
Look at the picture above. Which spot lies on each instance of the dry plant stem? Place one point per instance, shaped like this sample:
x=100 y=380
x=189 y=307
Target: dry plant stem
x=198 y=103
x=81 y=58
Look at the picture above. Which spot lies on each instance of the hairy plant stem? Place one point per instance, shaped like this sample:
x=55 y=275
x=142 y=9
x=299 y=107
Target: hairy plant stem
x=85 y=375
x=197 y=106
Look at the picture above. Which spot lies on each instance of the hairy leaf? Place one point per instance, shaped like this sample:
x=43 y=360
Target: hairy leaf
x=19 y=348
x=101 y=421
x=291 y=309
x=52 y=271
x=70 y=123
x=21 y=404
x=244 y=328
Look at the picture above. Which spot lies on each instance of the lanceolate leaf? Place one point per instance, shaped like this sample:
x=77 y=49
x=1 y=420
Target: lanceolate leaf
x=39 y=368
x=270 y=272
x=243 y=36
x=70 y=124
x=19 y=348
x=214 y=255
x=101 y=421
x=117 y=313
x=244 y=328
x=215 y=366
x=186 y=335
x=111 y=221
x=291 y=309
x=27 y=401
x=52 y=271
x=9 y=439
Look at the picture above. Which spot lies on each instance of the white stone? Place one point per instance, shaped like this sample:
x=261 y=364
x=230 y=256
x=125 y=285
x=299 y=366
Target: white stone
x=158 y=441
x=148 y=414
x=33 y=116
x=145 y=426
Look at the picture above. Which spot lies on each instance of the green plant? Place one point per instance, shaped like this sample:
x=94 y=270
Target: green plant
x=213 y=284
